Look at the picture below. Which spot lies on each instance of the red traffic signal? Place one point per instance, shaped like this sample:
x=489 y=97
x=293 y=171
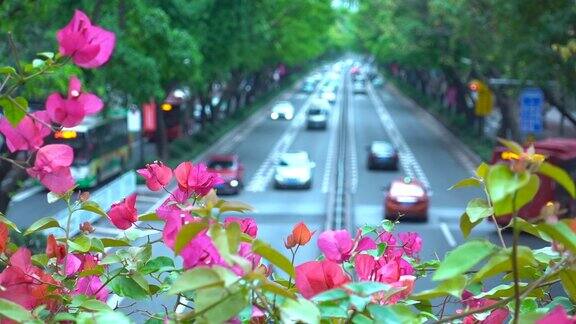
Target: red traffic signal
x=473 y=86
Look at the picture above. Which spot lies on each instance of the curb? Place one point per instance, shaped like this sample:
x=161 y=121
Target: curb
x=464 y=154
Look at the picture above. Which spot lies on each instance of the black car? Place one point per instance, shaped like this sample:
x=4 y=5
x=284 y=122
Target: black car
x=382 y=155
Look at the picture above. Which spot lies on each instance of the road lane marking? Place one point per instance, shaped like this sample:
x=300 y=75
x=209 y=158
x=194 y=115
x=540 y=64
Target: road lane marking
x=264 y=173
x=331 y=154
x=352 y=144
x=408 y=161
x=447 y=234
x=25 y=194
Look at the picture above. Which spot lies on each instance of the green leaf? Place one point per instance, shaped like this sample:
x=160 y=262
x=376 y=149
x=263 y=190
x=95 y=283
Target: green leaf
x=40 y=259
x=41 y=224
x=478 y=209
x=502 y=183
x=452 y=286
x=568 y=279
x=7 y=70
x=463 y=258
x=468 y=182
x=125 y=286
x=558 y=175
x=14 y=311
x=392 y=314
x=273 y=256
x=501 y=263
x=528 y=305
x=94 y=208
x=14 y=109
x=158 y=264
x=330 y=311
x=236 y=206
x=110 y=259
x=331 y=295
x=112 y=242
x=482 y=170
x=46 y=55
x=466 y=225
x=360 y=318
x=511 y=145
x=233 y=236
x=217 y=304
x=36 y=63
x=367 y=288
x=8 y=222
x=149 y=217
x=276 y=289
x=97 y=245
x=187 y=233
x=81 y=243
x=199 y=278
x=560 y=232
x=95 y=305
x=141 y=281
x=299 y=311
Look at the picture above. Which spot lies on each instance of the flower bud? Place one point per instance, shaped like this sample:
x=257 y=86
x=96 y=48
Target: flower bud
x=86 y=228
x=290 y=242
x=84 y=196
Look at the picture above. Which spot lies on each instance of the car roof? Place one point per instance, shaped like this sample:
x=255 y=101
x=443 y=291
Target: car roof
x=294 y=156
x=412 y=188
x=382 y=145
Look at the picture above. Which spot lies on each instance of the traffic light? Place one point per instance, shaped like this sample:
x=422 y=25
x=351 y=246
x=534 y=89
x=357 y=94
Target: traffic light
x=166 y=106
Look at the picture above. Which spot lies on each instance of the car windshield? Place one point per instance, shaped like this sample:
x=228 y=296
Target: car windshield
x=220 y=165
x=406 y=189
x=315 y=111
x=381 y=147
x=294 y=160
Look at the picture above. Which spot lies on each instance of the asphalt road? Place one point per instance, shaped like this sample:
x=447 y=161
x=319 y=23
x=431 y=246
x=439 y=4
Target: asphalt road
x=428 y=154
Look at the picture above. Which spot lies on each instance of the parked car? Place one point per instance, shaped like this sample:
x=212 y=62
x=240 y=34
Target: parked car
x=282 y=110
x=408 y=199
x=294 y=170
x=230 y=169
x=382 y=155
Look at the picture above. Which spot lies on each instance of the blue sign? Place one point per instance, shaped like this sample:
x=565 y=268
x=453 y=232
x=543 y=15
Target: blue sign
x=531 y=101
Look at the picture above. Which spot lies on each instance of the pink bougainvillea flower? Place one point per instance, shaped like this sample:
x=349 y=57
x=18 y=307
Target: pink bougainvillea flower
x=315 y=277
x=411 y=243
x=247 y=225
x=52 y=167
x=70 y=111
x=123 y=214
x=407 y=285
x=27 y=285
x=196 y=178
x=91 y=286
x=557 y=316
x=245 y=251
x=157 y=175
x=79 y=262
x=392 y=250
x=496 y=316
x=201 y=251
x=89 y=46
x=338 y=246
x=29 y=134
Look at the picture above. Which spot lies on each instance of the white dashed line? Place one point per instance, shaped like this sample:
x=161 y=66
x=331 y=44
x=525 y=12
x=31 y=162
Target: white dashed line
x=331 y=154
x=408 y=161
x=264 y=174
x=352 y=145
x=447 y=234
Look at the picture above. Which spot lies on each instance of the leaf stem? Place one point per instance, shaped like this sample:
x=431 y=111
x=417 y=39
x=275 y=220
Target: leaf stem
x=515 y=272
x=498 y=229
x=14 y=51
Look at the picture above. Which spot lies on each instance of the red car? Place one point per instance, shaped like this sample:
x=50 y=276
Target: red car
x=230 y=170
x=406 y=198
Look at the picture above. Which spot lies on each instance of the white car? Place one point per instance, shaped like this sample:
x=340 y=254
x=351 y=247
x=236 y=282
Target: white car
x=329 y=95
x=282 y=110
x=294 y=170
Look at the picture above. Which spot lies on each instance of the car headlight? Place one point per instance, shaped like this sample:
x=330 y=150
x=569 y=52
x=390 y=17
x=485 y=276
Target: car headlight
x=288 y=115
x=234 y=183
x=274 y=115
x=279 y=177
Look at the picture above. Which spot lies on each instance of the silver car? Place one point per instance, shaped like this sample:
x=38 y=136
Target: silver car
x=294 y=170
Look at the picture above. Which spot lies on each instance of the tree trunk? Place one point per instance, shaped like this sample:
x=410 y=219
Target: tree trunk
x=161 y=135
x=509 y=125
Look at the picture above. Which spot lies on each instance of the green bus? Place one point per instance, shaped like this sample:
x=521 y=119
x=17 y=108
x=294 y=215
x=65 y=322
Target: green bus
x=101 y=149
